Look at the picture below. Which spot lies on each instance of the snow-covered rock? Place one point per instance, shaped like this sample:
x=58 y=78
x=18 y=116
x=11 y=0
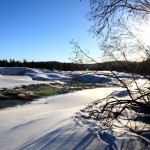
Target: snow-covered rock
x=38 y=76
x=57 y=76
x=35 y=74
x=16 y=70
x=90 y=78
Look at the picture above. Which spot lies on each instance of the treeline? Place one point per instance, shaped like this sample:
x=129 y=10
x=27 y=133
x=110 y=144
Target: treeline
x=121 y=66
x=51 y=65
x=128 y=66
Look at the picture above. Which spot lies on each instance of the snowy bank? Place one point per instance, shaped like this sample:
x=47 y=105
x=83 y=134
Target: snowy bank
x=50 y=124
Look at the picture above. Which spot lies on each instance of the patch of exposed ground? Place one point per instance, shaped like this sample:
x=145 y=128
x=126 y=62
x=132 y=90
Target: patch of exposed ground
x=25 y=94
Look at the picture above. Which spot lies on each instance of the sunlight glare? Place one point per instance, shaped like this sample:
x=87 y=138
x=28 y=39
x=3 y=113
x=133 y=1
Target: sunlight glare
x=142 y=32
x=146 y=33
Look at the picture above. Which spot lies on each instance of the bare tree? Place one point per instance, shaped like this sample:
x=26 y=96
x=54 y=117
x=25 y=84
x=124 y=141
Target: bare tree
x=108 y=13
x=118 y=40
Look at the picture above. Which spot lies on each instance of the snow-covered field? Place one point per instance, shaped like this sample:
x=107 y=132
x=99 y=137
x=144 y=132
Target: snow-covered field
x=51 y=123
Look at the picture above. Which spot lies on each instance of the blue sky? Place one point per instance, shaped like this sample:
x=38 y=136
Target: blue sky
x=41 y=30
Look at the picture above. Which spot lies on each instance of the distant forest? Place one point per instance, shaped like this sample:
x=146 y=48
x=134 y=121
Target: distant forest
x=136 y=67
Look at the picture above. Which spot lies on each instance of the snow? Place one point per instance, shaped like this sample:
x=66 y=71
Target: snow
x=90 y=78
x=13 y=81
x=35 y=74
x=100 y=76
x=39 y=76
x=16 y=70
x=46 y=118
x=62 y=76
x=52 y=123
